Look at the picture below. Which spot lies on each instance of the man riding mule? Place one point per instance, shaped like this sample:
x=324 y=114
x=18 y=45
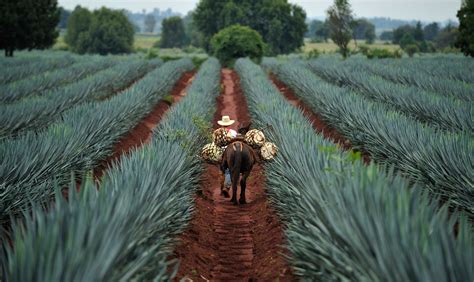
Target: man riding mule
x=226 y=133
x=238 y=158
x=235 y=154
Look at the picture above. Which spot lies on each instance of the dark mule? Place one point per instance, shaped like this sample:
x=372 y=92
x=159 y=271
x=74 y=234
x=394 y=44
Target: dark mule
x=240 y=159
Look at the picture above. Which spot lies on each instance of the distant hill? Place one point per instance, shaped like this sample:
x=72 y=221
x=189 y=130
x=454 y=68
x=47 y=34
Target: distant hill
x=382 y=24
x=139 y=18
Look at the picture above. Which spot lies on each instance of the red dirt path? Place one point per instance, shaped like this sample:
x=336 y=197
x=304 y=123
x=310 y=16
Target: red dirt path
x=141 y=134
x=319 y=125
x=226 y=242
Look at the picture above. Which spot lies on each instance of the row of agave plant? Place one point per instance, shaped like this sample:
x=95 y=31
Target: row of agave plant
x=82 y=138
x=434 y=110
x=411 y=76
x=441 y=161
x=40 y=83
x=346 y=221
x=126 y=229
x=446 y=66
x=13 y=71
x=36 y=113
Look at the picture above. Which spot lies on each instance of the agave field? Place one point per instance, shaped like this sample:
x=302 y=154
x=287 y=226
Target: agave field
x=406 y=215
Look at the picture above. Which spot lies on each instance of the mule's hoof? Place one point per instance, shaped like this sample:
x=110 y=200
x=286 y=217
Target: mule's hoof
x=225 y=193
x=242 y=201
x=234 y=201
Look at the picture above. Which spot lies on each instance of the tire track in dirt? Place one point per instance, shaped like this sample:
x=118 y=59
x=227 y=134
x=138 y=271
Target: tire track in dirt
x=319 y=125
x=226 y=242
x=142 y=133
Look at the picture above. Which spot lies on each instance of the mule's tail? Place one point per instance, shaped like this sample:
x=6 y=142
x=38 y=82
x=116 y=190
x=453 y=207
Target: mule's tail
x=237 y=162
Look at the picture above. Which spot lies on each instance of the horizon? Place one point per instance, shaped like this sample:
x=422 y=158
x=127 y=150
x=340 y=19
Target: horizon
x=435 y=10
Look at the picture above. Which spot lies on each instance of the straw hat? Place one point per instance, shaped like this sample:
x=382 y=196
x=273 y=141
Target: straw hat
x=225 y=121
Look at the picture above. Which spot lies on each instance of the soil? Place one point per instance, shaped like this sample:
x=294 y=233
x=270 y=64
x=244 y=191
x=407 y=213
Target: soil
x=330 y=133
x=319 y=125
x=141 y=134
x=225 y=242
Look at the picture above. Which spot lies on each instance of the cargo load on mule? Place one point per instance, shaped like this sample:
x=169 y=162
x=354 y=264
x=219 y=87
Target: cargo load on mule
x=213 y=152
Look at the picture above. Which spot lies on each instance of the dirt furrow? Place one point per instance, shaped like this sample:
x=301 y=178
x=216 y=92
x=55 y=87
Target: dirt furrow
x=141 y=134
x=330 y=133
x=227 y=242
x=319 y=125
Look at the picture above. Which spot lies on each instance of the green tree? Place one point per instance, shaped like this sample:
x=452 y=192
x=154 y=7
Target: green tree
x=447 y=37
x=193 y=36
x=399 y=32
x=64 y=16
x=27 y=24
x=108 y=32
x=363 y=29
x=232 y=14
x=370 y=34
x=281 y=24
x=386 y=36
x=407 y=39
x=465 y=39
x=409 y=35
x=323 y=31
x=172 y=33
x=312 y=26
x=431 y=31
x=79 y=22
x=150 y=23
x=287 y=27
x=236 y=42
x=318 y=30
x=340 y=20
x=418 y=33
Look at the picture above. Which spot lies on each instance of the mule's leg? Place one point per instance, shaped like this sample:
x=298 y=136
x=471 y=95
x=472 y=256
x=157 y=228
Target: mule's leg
x=234 y=193
x=235 y=181
x=243 y=186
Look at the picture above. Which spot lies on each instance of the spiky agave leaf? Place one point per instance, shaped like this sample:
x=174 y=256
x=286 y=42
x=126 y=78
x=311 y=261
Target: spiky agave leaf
x=346 y=221
x=83 y=138
x=437 y=111
x=125 y=230
x=15 y=73
x=442 y=161
x=39 y=112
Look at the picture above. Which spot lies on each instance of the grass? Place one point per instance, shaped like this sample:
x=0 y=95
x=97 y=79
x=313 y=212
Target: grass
x=142 y=41
x=145 y=41
x=60 y=43
x=329 y=47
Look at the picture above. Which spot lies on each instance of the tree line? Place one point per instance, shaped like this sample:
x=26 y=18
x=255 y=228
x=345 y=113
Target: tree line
x=341 y=27
x=27 y=24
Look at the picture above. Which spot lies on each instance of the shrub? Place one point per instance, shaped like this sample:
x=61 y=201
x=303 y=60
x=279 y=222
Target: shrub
x=411 y=49
x=236 y=42
x=379 y=53
x=313 y=54
x=151 y=54
x=383 y=53
x=198 y=61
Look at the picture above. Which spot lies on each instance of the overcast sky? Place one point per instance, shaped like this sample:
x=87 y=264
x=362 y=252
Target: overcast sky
x=425 y=10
